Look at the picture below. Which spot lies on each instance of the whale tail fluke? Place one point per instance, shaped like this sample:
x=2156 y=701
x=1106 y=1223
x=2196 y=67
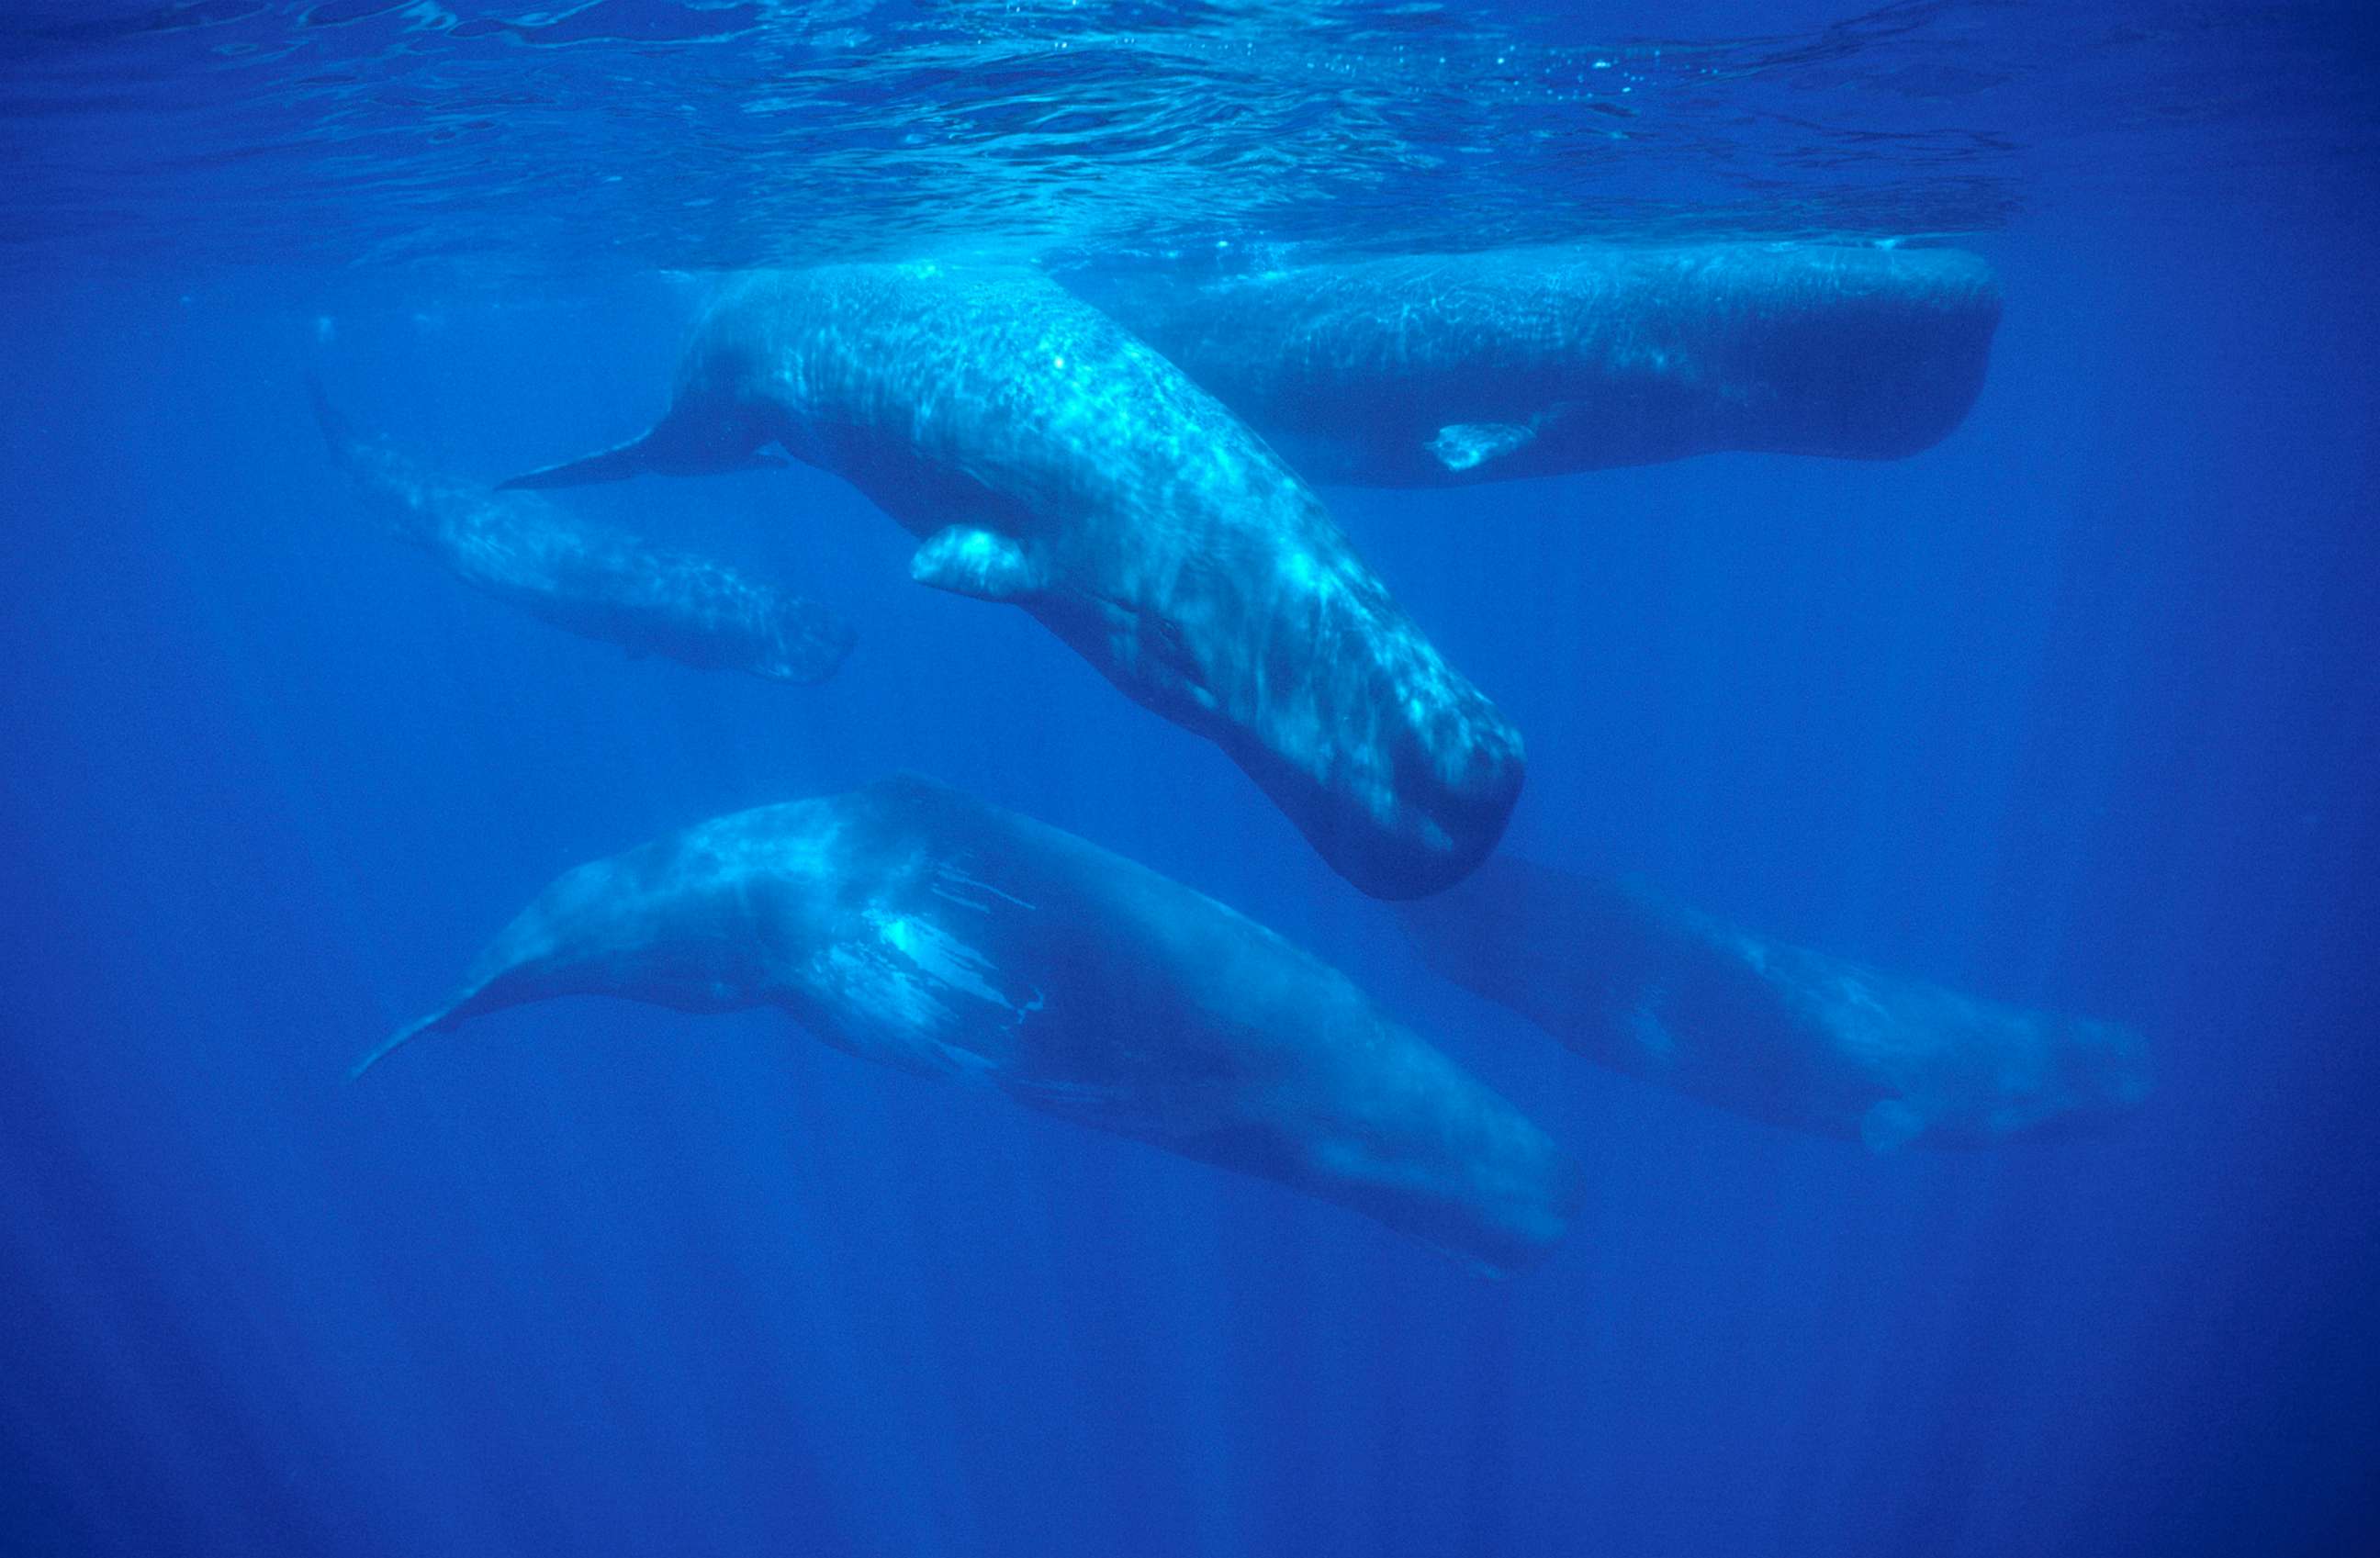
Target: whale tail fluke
x=615 y=463
x=442 y=1017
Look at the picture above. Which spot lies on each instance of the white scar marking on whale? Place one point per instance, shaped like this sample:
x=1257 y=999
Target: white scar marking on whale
x=941 y=955
x=873 y=980
x=958 y=879
x=1651 y=1033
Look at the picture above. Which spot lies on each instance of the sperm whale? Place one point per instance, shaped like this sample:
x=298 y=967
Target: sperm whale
x=1049 y=459
x=600 y=584
x=1440 y=369
x=909 y=923
x=1768 y=1030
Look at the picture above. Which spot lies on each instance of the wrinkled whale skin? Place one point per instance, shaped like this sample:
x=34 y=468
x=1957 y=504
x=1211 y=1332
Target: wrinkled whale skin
x=1439 y=370
x=911 y=924
x=599 y=584
x=1049 y=459
x=1774 y=1031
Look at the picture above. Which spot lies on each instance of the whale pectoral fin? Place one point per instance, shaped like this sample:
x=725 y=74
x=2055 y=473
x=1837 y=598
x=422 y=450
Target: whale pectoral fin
x=337 y=431
x=411 y=1031
x=1463 y=446
x=1890 y=1125
x=615 y=463
x=967 y=560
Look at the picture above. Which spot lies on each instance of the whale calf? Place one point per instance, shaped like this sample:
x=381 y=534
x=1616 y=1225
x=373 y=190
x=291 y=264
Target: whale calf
x=909 y=923
x=1774 y=1031
x=1049 y=459
x=599 y=584
x=1433 y=370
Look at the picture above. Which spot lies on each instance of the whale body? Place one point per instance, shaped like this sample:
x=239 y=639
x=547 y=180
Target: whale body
x=599 y=584
x=912 y=925
x=1437 y=369
x=1774 y=1031
x=1049 y=459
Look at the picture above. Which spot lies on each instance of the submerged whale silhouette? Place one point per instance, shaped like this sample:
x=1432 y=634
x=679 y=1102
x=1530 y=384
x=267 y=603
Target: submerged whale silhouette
x=1049 y=460
x=912 y=925
x=1774 y=1031
x=1432 y=369
x=593 y=582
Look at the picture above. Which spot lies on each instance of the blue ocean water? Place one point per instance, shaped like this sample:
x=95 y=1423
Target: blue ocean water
x=2077 y=709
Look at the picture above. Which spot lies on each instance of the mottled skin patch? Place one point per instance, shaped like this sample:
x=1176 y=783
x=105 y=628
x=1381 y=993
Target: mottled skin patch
x=1775 y=1031
x=1050 y=460
x=598 y=584
x=1440 y=369
x=912 y=925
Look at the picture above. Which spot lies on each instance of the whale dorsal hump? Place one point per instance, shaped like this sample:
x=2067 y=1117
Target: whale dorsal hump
x=1889 y=1125
x=967 y=560
x=1463 y=446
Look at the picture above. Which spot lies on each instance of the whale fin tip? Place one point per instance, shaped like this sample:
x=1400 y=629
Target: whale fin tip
x=967 y=560
x=389 y=1046
x=337 y=431
x=1463 y=446
x=615 y=463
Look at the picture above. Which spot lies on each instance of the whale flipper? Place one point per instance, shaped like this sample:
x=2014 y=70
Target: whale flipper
x=1890 y=1125
x=967 y=560
x=337 y=431
x=615 y=463
x=665 y=449
x=1462 y=446
x=388 y=1047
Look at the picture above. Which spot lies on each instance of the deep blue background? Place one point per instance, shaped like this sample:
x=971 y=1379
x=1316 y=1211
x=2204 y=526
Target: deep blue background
x=2077 y=709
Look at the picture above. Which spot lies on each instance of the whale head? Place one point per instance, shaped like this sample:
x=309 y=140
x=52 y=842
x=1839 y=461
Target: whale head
x=2083 y=1075
x=1997 y=1073
x=1397 y=769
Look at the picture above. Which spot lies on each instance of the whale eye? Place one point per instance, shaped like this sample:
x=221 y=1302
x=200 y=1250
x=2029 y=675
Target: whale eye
x=1164 y=641
x=1169 y=638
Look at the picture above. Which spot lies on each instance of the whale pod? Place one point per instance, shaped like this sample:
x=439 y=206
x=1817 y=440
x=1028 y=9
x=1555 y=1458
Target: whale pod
x=1048 y=459
x=909 y=923
x=1448 y=368
x=1775 y=1031
x=599 y=584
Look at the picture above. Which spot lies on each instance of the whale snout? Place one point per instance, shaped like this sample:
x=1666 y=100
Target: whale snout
x=2107 y=1065
x=1459 y=776
x=1432 y=781
x=1473 y=759
x=1397 y=770
x=2076 y=1077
